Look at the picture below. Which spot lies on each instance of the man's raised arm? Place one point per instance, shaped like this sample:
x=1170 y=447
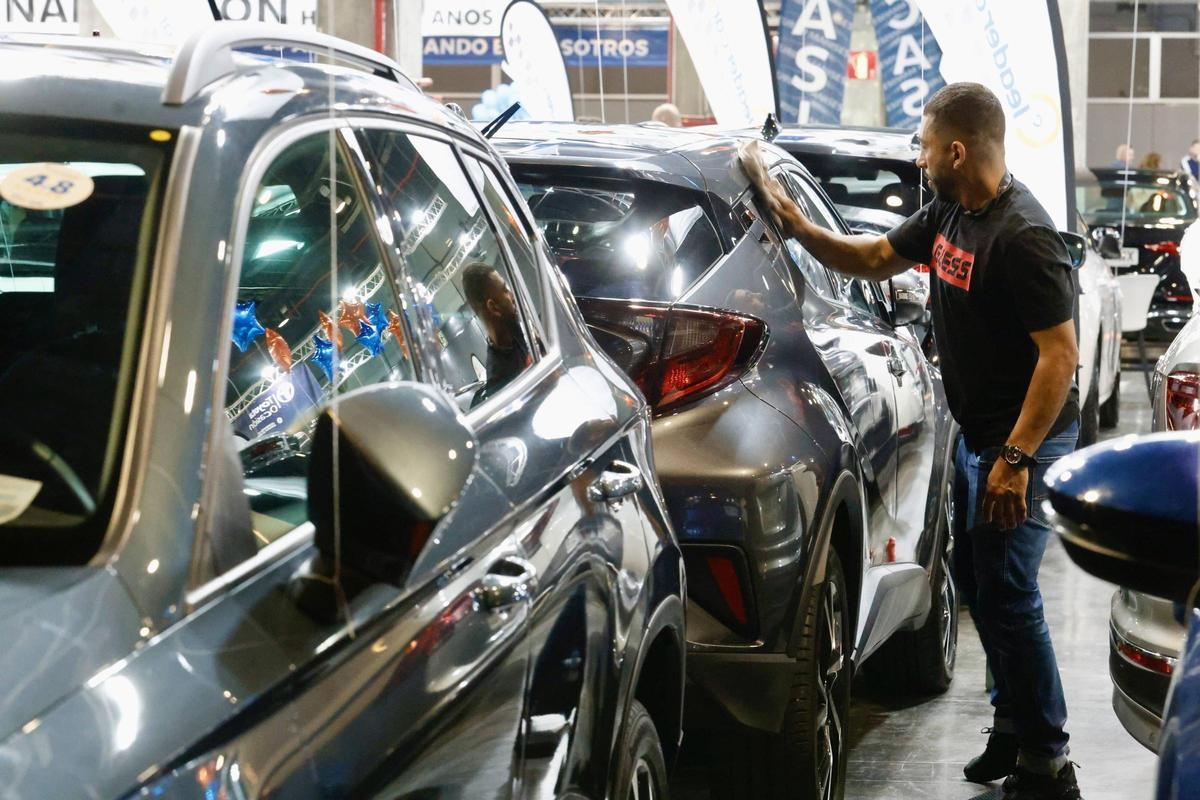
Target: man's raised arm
x=860 y=255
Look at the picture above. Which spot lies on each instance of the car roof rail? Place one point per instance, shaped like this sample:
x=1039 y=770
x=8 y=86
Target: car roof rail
x=207 y=55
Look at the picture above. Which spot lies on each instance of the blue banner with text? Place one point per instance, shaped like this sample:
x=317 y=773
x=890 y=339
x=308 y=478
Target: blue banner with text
x=810 y=67
x=909 y=60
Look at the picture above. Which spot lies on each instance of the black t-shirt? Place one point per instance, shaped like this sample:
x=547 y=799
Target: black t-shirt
x=996 y=275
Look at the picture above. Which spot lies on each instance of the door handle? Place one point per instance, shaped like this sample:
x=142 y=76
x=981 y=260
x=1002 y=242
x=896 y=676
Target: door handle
x=509 y=582
x=620 y=479
x=896 y=365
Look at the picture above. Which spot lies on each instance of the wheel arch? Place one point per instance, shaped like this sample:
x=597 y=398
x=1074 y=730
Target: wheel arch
x=658 y=678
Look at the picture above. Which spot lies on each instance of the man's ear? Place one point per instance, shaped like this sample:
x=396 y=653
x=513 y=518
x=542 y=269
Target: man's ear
x=958 y=153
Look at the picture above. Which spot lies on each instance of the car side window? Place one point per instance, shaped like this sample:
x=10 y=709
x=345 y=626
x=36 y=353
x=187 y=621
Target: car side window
x=815 y=274
x=452 y=259
x=854 y=291
x=519 y=239
x=301 y=333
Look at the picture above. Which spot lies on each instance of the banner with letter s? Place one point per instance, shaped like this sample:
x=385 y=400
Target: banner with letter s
x=1015 y=48
x=534 y=61
x=729 y=47
x=814 y=50
x=910 y=60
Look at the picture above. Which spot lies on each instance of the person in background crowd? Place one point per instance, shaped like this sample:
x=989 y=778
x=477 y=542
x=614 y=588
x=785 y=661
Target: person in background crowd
x=1191 y=162
x=1003 y=301
x=1124 y=159
x=668 y=114
x=1151 y=161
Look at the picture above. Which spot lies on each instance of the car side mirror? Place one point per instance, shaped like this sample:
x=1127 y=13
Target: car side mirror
x=400 y=456
x=1110 y=246
x=1126 y=511
x=909 y=298
x=1076 y=248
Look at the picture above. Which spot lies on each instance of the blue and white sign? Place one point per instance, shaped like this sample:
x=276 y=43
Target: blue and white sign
x=290 y=400
x=640 y=47
x=909 y=60
x=814 y=49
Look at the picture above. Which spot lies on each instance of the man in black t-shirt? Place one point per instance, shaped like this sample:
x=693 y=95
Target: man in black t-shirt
x=1003 y=301
x=489 y=296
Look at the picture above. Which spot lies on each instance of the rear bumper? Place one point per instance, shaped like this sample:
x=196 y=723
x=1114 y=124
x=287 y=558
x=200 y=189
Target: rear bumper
x=1164 y=321
x=1138 y=721
x=1139 y=694
x=751 y=688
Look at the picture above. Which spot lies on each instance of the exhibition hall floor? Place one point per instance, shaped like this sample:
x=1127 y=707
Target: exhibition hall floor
x=911 y=751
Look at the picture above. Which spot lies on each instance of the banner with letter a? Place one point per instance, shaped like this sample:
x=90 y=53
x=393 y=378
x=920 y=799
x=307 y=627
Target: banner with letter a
x=728 y=45
x=909 y=58
x=1015 y=48
x=534 y=61
x=814 y=50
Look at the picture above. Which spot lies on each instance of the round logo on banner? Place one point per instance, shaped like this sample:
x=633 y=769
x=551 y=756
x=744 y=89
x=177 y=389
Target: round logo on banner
x=46 y=186
x=1042 y=128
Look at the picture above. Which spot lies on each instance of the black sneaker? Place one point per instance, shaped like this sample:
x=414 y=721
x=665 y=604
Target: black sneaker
x=998 y=759
x=1026 y=785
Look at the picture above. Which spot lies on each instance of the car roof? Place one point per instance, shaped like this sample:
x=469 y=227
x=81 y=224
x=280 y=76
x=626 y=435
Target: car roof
x=106 y=80
x=1089 y=176
x=694 y=158
x=862 y=141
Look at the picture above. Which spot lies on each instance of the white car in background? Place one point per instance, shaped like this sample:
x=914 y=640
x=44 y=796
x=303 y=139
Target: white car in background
x=1146 y=635
x=1099 y=344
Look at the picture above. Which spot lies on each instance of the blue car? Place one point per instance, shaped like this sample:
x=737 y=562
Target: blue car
x=1127 y=511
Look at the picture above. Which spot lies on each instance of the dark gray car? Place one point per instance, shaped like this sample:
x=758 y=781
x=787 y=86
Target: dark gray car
x=801 y=439
x=312 y=483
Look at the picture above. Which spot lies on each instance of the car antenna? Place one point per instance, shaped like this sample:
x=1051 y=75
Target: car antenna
x=212 y=6
x=490 y=129
x=770 y=128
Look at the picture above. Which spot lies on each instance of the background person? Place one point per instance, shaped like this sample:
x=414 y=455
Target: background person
x=489 y=296
x=1124 y=158
x=667 y=114
x=1190 y=163
x=1151 y=161
x=1003 y=302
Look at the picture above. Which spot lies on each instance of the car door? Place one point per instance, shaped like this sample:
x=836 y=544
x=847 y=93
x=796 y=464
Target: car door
x=394 y=690
x=553 y=438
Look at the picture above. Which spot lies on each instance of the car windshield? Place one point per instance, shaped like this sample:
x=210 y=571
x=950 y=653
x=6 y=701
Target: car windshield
x=1141 y=199
x=628 y=240
x=77 y=221
x=882 y=184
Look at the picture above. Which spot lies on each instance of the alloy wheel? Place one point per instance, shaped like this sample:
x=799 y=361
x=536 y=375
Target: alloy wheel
x=948 y=624
x=641 y=782
x=830 y=665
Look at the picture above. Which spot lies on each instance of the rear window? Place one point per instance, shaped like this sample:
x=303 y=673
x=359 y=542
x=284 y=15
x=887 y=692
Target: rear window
x=77 y=221
x=623 y=239
x=880 y=184
x=1140 y=200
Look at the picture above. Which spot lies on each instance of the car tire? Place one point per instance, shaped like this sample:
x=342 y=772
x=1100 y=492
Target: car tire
x=1110 y=409
x=806 y=760
x=641 y=768
x=1089 y=415
x=922 y=662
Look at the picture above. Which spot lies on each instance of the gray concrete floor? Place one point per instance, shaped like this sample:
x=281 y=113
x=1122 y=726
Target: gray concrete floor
x=901 y=750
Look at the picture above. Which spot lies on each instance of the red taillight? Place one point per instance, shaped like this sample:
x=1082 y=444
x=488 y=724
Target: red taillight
x=1146 y=660
x=1178 y=298
x=1183 y=401
x=1164 y=248
x=726 y=577
x=675 y=354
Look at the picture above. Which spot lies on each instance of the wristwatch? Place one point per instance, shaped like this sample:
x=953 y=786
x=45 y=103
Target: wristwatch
x=1016 y=457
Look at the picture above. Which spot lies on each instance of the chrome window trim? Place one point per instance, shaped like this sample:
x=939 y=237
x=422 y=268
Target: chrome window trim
x=285 y=545
x=130 y=478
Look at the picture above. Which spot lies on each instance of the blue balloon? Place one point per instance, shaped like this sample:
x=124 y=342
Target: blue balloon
x=246 y=327
x=323 y=355
x=490 y=98
x=376 y=316
x=505 y=94
x=371 y=337
x=479 y=112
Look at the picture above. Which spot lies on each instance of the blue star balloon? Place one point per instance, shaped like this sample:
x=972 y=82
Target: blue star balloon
x=323 y=355
x=246 y=327
x=376 y=317
x=371 y=337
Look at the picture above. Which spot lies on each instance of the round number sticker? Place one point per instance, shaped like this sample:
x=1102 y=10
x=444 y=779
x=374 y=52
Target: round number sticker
x=46 y=186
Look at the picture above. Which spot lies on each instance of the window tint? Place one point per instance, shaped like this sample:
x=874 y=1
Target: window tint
x=294 y=343
x=69 y=324
x=520 y=243
x=881 y=184
x=451 y=257
x=634 y=239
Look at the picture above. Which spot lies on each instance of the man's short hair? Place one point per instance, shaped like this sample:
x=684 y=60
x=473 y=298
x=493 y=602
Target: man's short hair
x=969 y=112
x=476 y=280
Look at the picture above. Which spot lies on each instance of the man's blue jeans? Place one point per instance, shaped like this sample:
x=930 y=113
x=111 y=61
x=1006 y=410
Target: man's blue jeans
x=997 y=576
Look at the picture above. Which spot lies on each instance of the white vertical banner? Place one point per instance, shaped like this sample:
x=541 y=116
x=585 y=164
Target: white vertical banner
x=1014 y=47
x=534 y=61
x=728 y=45
x=167 y=21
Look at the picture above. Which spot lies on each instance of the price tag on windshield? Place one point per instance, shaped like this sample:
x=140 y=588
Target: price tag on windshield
x=46 y=186
x=16 y=494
